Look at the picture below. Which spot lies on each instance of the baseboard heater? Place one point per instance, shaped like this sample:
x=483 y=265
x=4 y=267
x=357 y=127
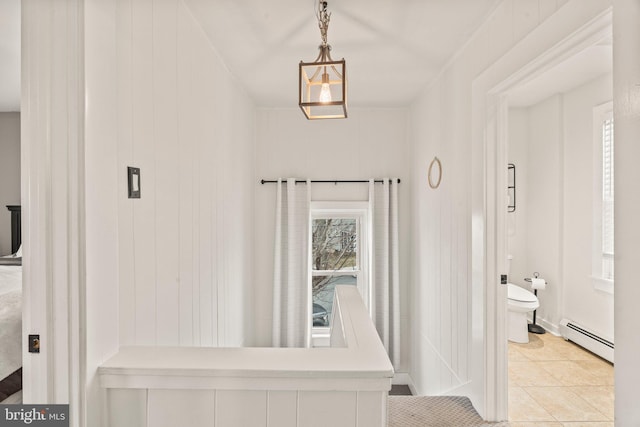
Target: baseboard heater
x=587 y=339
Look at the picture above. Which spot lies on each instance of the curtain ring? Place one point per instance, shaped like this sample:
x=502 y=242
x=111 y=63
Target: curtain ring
x=435 y=161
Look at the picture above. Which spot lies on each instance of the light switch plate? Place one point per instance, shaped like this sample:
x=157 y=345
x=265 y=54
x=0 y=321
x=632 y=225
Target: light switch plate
x=133 y=179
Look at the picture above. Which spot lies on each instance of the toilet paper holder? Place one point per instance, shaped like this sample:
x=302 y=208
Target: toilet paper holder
x=536 y=275
x=533 y=327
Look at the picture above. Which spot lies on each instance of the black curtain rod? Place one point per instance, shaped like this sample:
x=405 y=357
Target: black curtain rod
x=328 y=181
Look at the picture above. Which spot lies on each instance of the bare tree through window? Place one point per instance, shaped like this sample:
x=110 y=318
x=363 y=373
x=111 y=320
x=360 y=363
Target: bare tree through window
x=335 y=262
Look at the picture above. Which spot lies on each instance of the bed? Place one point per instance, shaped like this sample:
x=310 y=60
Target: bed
x=11 y=301
x=10 y=317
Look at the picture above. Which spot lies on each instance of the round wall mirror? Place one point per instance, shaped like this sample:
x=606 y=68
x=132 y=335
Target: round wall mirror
x=435 y=173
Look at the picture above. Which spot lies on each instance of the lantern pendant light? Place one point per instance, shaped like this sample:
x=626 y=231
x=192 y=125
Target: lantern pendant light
x=323 y=82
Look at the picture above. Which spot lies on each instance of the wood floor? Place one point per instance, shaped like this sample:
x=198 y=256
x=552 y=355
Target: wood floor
x=556 y=383
x=11 y=385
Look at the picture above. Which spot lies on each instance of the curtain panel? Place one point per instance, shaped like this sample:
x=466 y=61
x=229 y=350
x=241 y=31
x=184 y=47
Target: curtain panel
x=291 y=277
x=385 y=277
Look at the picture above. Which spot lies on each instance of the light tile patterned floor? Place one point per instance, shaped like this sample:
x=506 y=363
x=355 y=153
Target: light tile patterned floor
x=555 y=383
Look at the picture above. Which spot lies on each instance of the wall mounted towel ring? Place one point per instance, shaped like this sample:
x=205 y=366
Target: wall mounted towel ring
x=435 y=183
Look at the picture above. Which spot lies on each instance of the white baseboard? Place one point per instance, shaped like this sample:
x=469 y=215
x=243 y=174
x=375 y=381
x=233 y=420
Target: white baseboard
x=463 y=389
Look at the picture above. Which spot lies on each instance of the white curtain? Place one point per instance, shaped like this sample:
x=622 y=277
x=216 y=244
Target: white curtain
x=385 y=279
x=291 y=295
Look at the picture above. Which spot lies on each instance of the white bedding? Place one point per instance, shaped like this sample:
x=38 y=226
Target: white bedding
x=10 y=319
x=10 y=278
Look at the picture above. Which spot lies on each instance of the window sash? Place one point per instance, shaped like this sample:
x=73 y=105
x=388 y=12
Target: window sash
x=345 y=210
x=335 y=272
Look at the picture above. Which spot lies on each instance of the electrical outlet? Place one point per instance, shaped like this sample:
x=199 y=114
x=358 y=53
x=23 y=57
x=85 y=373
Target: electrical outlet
x=503 y=279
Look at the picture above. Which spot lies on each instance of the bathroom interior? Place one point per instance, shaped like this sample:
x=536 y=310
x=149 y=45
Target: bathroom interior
x=559 y=229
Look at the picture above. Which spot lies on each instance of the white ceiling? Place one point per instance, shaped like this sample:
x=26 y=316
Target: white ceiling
x=393 y=48
x=9 y=55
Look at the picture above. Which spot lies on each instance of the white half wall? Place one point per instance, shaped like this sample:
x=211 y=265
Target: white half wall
x=371 y=143
x=9 y=174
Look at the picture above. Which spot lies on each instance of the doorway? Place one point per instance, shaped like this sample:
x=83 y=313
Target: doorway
x=550 y=246
x=558 y=130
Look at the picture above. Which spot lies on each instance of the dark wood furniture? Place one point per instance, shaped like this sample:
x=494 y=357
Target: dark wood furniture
x=16 y=227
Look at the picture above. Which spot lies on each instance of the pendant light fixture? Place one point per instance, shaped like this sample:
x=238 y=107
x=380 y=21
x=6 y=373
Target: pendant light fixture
x=323 y=82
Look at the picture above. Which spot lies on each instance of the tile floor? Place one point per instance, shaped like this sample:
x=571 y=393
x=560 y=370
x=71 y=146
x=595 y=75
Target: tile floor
x=555 y=383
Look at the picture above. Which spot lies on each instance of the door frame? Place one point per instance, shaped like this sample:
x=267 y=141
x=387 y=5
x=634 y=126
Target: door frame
x=53 y=203
x=492 y=103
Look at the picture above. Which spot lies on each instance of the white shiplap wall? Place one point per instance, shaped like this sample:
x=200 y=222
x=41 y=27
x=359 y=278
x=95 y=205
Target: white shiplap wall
x=184 y=246
x=446 y=121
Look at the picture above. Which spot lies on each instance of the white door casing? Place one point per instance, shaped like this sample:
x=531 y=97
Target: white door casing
x=52 y=186
x=491 y=101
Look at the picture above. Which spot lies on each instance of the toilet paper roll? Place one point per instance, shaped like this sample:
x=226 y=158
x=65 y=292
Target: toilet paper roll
x=538 y=283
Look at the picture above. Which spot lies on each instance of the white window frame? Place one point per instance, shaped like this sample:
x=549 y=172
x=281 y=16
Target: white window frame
x=346 y=210
x=601 y=113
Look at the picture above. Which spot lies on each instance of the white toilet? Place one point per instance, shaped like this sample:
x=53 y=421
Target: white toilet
x=519 y=302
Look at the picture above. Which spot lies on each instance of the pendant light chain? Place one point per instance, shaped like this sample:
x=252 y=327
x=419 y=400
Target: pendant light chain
x=323 y=21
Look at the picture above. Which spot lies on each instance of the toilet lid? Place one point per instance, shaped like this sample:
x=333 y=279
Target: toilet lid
x=517 y=293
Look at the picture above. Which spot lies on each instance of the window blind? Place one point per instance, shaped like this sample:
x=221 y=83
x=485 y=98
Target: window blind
x=607 y=198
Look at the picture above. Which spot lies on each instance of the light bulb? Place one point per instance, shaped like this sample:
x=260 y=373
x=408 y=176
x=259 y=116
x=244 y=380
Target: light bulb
x=325 y=93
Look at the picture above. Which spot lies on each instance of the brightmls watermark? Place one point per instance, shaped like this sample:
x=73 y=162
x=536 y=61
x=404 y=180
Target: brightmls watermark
x=34 y=415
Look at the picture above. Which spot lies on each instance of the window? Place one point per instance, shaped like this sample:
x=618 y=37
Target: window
x=603 y=263
x=607 y=198
x=338 y=256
